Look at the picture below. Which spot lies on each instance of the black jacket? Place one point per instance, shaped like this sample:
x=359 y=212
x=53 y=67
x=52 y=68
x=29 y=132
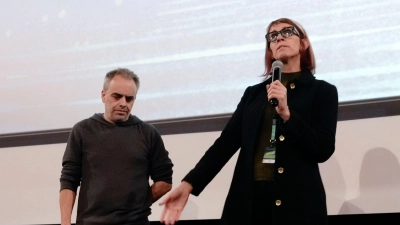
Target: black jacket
x=306 y=139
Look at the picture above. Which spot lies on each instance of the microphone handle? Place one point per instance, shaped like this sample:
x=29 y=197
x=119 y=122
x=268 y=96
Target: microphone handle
x=275 y=76
x=274 y=102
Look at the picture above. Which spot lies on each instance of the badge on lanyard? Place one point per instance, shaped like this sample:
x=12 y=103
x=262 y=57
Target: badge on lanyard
x=269 y=153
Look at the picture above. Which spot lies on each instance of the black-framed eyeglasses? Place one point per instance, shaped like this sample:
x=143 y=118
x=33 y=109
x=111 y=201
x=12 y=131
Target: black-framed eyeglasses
x=285 y=32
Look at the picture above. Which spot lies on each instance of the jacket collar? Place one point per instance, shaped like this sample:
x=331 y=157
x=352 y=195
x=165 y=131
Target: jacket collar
x=305 y=78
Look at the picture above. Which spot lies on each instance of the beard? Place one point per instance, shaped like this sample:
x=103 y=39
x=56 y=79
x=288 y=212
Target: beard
x=118 y=117
x=121 y=120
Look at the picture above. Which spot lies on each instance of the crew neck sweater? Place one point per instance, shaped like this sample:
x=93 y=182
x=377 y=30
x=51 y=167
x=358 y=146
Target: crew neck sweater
x=112 y=164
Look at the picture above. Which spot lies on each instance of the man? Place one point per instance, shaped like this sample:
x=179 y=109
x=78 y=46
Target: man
x=111 y=156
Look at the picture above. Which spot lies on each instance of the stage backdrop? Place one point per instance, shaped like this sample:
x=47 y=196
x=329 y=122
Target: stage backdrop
x=362 y=176
x=193 y=57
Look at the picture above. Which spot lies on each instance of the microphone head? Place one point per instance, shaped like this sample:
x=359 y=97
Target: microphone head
x=278 y=64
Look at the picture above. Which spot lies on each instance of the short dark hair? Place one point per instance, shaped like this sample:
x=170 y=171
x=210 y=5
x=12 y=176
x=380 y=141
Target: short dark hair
x=126 y=73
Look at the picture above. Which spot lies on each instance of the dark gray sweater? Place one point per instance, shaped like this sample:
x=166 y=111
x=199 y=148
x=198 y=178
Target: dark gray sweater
x=113 y=163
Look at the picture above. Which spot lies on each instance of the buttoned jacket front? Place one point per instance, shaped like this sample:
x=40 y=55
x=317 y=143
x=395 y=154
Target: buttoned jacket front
x=306 y=139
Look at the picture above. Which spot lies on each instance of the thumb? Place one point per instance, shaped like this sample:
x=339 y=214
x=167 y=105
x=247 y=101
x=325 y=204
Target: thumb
x=162 y=202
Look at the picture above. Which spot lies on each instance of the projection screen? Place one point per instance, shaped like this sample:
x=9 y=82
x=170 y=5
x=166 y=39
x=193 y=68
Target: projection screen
x=193 y=57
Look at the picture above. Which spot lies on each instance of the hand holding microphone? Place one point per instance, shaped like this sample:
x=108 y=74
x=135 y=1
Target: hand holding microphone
x=277 y=93
x=276 y=75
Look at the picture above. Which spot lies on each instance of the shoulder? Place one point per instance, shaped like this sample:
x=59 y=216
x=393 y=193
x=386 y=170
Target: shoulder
x=148 y=127
x=325 y=91
x=256 y=88
x=260 y=85
x=87 y=123
x=325 y=86
x=77 y=132
x=307 y=78
x=82 y=123
x=253 y=92
x=145 y=127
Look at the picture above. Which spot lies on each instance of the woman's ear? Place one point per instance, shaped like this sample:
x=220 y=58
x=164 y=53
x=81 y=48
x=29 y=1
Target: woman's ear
x=305 y=43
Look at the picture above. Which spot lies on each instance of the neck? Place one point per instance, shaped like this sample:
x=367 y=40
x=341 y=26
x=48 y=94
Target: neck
x=108 y=119
x=291 y=65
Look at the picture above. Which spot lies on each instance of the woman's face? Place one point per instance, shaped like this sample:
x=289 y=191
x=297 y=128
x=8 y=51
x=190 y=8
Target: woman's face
x=285 y=48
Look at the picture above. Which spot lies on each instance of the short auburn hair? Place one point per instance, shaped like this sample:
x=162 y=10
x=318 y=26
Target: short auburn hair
x=307 y=59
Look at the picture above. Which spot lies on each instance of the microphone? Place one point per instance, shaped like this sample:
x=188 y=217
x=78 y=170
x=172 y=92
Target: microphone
x=276 y=75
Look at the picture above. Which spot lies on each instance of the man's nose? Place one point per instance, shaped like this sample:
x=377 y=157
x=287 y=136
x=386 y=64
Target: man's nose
x=122 y=101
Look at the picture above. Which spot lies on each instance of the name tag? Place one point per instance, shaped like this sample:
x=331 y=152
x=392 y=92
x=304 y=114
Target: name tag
x=269 y=155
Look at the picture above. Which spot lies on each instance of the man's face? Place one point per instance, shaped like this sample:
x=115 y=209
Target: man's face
x=118 y=99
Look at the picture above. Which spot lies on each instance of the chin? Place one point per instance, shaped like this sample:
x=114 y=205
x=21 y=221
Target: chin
x=120 y=119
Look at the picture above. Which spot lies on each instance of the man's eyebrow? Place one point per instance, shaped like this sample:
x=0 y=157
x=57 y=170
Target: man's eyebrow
x=121 y=95
x=117 y=94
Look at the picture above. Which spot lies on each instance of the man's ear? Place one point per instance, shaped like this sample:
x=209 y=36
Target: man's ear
x=103 y=96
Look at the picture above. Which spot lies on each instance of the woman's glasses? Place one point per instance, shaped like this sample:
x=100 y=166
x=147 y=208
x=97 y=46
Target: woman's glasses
x=285 y=32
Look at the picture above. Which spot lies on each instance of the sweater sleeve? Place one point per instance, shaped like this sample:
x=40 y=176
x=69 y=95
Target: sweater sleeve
x=160 y=163
x=71 y=173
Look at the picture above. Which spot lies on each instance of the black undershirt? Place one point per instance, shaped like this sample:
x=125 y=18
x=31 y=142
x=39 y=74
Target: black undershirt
x=265 y=171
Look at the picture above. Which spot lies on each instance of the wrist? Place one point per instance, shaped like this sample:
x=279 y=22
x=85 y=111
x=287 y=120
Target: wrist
x=285 y=114
x=187 y=186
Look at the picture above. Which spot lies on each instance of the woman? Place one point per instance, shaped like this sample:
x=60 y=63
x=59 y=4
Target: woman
x=289 y=188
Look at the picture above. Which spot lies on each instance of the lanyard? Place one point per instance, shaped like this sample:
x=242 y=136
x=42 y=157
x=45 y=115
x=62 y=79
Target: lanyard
x=269 y=153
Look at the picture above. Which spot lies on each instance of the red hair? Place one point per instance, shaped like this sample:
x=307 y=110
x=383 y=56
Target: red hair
x=307 y=59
